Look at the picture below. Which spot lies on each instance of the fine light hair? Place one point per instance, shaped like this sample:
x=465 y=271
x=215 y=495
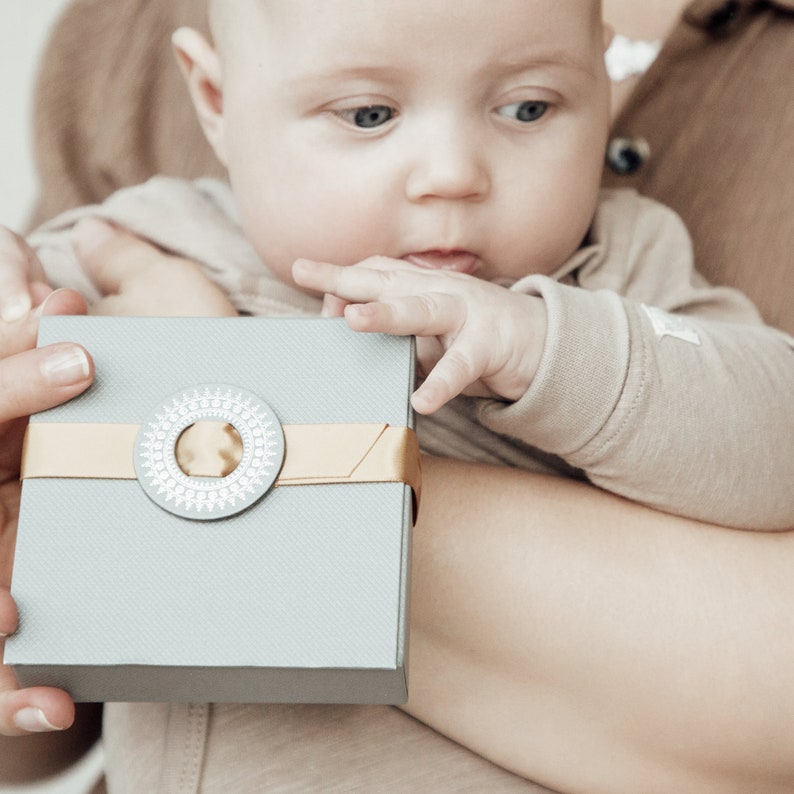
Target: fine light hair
x=223 y=14
x=220 y=12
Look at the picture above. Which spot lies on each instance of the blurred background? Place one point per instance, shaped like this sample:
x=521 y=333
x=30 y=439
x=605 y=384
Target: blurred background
x=23 y=30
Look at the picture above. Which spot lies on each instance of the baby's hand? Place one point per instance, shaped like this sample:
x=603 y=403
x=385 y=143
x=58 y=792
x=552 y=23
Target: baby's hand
x=474 y=337
x=137 y=278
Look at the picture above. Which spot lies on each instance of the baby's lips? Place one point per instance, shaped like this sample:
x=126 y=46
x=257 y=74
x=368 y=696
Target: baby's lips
x=454 y=261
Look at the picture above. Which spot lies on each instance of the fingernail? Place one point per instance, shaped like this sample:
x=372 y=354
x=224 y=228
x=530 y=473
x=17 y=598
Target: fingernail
x=65 y=366
x=41 y=309
x=90 y=233
x=33 y=720
x=15 y=308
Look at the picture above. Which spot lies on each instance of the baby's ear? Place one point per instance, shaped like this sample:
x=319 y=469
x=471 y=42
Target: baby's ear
x=201 y=68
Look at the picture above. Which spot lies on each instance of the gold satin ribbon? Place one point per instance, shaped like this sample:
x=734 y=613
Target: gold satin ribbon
x=314 y=454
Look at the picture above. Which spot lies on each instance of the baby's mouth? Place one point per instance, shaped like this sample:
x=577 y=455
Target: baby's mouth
x=454 y=260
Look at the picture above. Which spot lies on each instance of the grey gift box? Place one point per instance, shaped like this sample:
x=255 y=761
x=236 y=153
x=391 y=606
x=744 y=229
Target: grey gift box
x=127 y=594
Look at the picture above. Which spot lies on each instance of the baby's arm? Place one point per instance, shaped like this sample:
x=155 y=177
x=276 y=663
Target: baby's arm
x=659 y=386
x=691 y=415
x=136 y=278
x=473 y=337
x=132 y=276
x=686 y=413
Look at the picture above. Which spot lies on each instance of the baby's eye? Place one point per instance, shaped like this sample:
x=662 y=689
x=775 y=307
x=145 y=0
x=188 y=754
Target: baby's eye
x=530 y=110
x=367 y=117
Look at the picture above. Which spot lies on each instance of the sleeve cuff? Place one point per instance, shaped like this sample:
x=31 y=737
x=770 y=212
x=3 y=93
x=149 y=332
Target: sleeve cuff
x=581 y=375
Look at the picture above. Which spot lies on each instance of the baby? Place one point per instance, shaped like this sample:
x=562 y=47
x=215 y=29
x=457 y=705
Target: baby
x=433 y=168
x=448 y=139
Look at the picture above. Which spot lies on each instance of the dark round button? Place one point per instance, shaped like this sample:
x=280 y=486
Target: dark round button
x=715 y=17
x=627 y=155
x=721 y=17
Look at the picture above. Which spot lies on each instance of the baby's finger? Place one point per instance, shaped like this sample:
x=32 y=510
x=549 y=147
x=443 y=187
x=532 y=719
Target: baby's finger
x=428 y=314
x=429 y=350
x=328 y=279
x=450 y=376
x=370 y=280
x=19 y=270
x=333 y=306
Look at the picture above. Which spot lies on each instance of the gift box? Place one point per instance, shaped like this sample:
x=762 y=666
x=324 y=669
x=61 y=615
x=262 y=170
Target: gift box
x=224 y=516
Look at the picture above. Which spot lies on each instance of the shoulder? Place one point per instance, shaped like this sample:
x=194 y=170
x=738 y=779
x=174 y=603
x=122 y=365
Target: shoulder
x=638 y=229
x=635 y=246
x=627 y=212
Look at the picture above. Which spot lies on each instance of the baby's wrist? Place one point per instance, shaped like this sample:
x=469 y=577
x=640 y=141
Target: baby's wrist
x=529 y=342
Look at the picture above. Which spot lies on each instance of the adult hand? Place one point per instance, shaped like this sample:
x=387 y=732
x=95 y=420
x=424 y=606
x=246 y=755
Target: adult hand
x=474 y=337
x=22 y=282
x=30 y=380
x=139 y=279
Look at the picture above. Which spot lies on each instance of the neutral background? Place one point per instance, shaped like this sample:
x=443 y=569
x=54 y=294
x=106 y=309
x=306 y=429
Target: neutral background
x=24 y=25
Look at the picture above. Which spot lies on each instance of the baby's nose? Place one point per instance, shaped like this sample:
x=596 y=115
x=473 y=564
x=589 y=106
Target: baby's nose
x=449 y=165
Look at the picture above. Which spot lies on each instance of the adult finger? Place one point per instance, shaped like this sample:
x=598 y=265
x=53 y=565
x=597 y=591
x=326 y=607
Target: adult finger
x=19 y=269
x=8 y=614
x=33 y=710
x=42 y=378
x=21 y=335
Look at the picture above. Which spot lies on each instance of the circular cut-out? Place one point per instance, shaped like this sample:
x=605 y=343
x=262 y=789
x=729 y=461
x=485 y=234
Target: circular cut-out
x=209 y=449
x=163 y=480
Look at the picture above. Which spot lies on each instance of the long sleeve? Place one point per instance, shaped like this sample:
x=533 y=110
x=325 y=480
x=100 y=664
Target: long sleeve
x=704 y=430
x=660 y=388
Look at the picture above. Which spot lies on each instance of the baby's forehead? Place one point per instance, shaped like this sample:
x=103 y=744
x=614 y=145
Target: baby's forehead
x=407 y=33
x=223 y=11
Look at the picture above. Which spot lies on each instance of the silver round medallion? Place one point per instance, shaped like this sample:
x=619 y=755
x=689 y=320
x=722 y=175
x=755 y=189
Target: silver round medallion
x=164 y=481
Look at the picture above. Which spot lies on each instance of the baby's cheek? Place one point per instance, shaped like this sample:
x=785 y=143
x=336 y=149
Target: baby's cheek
x=542 y=243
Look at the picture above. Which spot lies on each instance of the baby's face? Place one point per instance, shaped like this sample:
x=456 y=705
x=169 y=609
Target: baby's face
x=453 y=133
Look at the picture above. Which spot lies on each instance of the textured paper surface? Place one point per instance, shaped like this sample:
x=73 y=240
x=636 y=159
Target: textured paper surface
x=289 y=600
